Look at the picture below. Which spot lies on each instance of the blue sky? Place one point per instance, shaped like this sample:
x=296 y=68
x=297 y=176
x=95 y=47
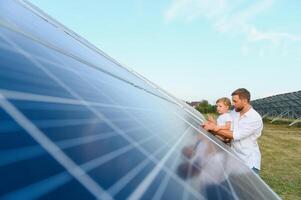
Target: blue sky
x=195 y=49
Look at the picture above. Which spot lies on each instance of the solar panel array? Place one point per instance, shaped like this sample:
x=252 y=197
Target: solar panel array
x=75 y=124
x=286 y=105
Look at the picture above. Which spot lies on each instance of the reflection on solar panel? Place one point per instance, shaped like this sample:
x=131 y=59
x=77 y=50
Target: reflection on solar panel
x=74 y=124
x=286 y=105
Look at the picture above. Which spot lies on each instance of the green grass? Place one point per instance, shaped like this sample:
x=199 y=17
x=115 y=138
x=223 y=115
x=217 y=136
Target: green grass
x=280 y=147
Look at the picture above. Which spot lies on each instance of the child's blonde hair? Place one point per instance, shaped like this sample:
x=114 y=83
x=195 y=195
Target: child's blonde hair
x=226 y=101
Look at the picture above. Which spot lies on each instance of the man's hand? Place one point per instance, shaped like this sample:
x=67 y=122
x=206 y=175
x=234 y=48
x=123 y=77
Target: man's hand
x=215 y=130
x=208 y=126
x=211 y=119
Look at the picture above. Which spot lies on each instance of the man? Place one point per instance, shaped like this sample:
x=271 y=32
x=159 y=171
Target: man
x=246 y=128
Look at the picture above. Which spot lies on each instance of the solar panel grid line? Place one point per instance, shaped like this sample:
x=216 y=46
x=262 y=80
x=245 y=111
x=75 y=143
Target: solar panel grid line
x=114 y=189
x=38 y=189
x=178 y=102
x=81 y=76
x=266 y=186
x=233 y=192
x=248 y=193
x=15 y=155
x=88 y=165
x=25 y=96
x=189 y=181
x=192 y=191
x=80 y=39
x=65 y=122
x=62 y=84
x=53 y=150
x=51 y=123
x=112 y=101
x=42 y=14
x=210 y=177
x=65 y=87
x=8 y=26
x=28 y=152
x=25 y=78
x=185 y=193
x=101 y=160
x=62 y=178
x=70 y=122
x=136 y=128
x=88 y=106
x=142 y=187
x=155 y=160
x=159 y=192
x=197 y=117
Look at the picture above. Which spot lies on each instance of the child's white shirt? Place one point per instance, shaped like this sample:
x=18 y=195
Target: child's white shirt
x=223 y=119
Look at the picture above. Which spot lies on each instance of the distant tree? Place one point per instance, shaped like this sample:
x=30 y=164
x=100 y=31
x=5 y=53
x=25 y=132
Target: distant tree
x=205 y=107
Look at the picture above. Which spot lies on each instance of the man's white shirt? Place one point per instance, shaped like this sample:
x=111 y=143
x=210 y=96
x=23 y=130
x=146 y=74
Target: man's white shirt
x=246 y=129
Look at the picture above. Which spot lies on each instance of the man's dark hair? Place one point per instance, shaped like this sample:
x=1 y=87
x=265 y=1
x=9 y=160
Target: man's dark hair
x=242 y=93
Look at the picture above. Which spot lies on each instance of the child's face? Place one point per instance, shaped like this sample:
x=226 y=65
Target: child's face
x=221 y=108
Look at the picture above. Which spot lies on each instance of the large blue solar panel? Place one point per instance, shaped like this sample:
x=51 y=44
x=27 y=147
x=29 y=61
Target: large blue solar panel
x=74 y=124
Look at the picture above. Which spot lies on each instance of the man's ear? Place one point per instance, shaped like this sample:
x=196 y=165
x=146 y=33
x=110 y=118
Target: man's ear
x=245 y=101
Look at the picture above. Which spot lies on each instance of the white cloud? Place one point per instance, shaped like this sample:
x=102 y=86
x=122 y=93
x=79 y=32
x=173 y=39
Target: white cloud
x=193 y=9
x=256 y=35
x=229 y=16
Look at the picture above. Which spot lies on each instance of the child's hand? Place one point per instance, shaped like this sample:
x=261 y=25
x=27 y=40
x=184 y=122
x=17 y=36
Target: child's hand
x=211 y=119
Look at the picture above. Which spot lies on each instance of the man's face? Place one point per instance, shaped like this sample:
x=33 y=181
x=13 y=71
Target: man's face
x=237 y=103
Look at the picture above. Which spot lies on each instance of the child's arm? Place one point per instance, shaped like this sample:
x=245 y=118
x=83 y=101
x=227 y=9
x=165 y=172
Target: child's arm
x=227 y=126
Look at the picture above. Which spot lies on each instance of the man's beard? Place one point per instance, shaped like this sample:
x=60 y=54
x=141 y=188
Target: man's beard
x=239 y=109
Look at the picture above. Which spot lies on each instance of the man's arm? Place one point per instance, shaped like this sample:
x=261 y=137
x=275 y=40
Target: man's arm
x=243 y=132
x=224 y=133
x=227 y=126
x=217 y=131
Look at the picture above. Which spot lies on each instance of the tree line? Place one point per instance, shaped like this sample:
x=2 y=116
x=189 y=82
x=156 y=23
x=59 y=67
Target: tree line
x=205 y=107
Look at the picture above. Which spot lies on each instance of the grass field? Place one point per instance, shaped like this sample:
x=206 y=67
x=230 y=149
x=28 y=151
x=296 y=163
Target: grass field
x=280 y=147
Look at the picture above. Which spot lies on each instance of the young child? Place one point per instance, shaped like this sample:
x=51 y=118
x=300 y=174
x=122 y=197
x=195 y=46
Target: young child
x=224 y=119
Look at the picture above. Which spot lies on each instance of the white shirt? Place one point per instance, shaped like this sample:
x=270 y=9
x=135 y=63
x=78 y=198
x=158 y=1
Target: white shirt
x=246 y=129
x=223 y=118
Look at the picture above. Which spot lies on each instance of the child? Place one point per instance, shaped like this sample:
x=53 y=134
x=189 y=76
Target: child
x=224 y=119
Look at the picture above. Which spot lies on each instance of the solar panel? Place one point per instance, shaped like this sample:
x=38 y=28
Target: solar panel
x=283 y=105
x=75 y=124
